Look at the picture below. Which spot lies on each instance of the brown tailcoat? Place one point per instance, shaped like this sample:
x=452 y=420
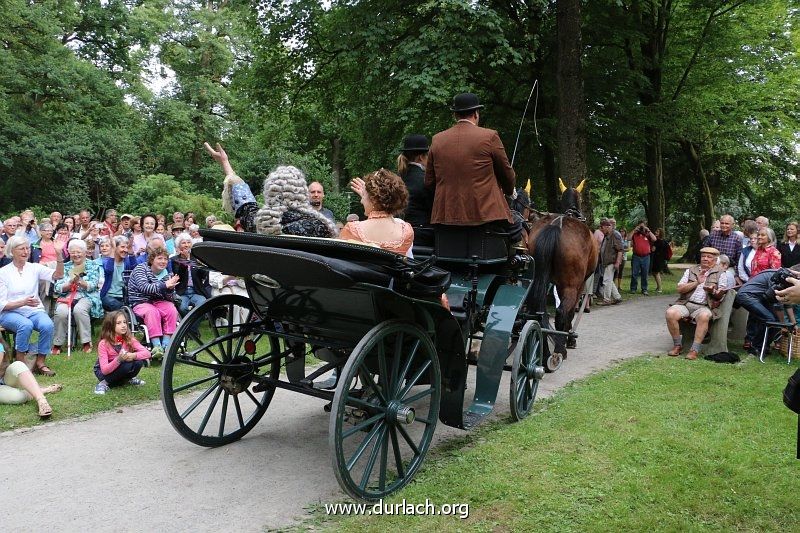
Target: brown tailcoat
x=469 y=169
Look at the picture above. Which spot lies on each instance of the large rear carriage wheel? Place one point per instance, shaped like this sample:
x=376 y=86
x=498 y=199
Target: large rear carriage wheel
x=385 y=410
x=526 y=370
x=209 y=370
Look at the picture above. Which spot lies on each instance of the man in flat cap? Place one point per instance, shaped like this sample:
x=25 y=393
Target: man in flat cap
x=469 y=171
x=701 y=289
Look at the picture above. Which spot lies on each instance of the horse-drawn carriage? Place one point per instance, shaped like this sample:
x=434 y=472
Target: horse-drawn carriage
x=377 y=320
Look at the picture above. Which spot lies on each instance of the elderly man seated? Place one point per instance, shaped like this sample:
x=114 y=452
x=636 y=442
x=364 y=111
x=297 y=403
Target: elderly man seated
x=701 y=288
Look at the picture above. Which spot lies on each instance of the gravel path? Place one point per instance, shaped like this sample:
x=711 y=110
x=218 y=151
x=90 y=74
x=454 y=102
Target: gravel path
x=130 y=471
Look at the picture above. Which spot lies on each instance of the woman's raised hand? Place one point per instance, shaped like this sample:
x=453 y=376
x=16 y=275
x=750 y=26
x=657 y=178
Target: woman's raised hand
x=220 y=156
x=357 y=186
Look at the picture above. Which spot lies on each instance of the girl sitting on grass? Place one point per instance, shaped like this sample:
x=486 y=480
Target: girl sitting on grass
x=18 y=385
x=120 y=356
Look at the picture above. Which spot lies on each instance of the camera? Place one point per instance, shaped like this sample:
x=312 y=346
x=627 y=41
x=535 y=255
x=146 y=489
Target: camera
x=777 y=282
x=642 y=229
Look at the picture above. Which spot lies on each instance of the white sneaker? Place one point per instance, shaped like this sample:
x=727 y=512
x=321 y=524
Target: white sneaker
x=136 y=381
x=101 y=388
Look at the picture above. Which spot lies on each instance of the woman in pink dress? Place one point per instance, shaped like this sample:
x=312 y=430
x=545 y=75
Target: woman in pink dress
x=766 y=255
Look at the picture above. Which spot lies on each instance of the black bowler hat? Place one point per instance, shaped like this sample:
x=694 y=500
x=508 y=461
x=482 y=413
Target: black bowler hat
x=415 y=143
x=465 y=102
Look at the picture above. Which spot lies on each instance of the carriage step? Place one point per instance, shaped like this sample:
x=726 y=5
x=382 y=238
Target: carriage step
x=472 y=419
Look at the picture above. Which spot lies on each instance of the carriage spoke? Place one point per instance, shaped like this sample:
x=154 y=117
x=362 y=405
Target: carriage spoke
x=351 y=400
x=521 y=386
x=418 y=396
x=408 y=440
x=199 y=400
x=398 y=349
x=238 y=411
x=364 y=445
x=408 y=362
x=366 y=378
x=413 y=381
x=373 y=456
x=230 y=331
x=255 y=400
x=217 y=336
x=209 y=411
x=362 y=425
x=193 y=384
x=398 y=459
x=223 y=415
x=383 y=376
x=384 y=457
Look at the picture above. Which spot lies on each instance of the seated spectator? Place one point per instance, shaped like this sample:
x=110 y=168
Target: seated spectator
x=766 y=255
x=3 y=259
x=176 y=230
x=193 y=287
x=17 y=384
x=194 y=233
x=210 y=221
x=28 y=226
x=138 y=245
x=701 y=289
x=47 y=257
x=724 y=265
x=69 y=222
x=21 y=311
x=151 y=292
x=286 y=209
x=754 y=297
x=790 y=252
x=120 y=356
x=113 y=274
x=746 y=259
x=10 y=228
x=383 y=194
x=56 y=218
x=109 y=228
x=92 y=240
x=124 y=227
x=106 y=246
x=79 y=292
x=161 y=220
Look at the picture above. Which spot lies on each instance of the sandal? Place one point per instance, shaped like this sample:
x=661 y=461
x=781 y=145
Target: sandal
x=43 y=370
x=55 y=387
x=44 y=408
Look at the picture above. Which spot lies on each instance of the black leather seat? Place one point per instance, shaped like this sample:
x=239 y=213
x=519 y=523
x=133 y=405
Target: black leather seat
x=465 y=244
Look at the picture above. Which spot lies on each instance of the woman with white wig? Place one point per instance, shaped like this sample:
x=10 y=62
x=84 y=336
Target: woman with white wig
x=286 y=209
x=21 y=310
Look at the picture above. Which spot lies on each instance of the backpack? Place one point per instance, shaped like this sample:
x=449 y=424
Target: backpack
x=791 y=399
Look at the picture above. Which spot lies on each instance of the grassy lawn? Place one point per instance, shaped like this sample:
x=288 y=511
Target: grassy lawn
x=78 y=396
x=653 y=444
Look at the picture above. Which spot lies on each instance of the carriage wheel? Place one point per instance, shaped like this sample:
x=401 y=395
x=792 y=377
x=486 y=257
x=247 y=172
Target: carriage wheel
x=385 y=410
x=526 y=370
x=207 y=377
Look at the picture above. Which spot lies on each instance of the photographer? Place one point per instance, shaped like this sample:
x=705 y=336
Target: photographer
x=642 y=240
x=762 y=295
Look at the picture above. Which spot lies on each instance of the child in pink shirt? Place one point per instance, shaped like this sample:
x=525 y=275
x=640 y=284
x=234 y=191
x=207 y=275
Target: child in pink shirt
x=120 y=356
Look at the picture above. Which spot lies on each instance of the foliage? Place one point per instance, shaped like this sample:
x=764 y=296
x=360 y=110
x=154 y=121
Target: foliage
x=161 y=193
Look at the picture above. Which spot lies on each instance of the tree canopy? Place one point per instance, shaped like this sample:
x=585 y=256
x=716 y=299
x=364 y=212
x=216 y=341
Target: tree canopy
x=691 y=106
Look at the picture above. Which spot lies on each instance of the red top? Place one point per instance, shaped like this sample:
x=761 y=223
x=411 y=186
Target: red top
x=641 y=244
x=765 y=258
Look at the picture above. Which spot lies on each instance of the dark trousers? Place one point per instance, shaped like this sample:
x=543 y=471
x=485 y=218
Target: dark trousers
x=110 y=303
x=760 y=313
x=124 y=372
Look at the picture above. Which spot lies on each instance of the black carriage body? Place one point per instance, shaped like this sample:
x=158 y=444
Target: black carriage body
x=330 y=293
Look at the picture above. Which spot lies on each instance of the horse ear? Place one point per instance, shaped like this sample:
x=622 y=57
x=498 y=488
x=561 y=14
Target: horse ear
x=579 y=188
x=561 y=186
x=527 y=188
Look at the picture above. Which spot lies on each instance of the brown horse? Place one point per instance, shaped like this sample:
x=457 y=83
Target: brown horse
x=565 y=253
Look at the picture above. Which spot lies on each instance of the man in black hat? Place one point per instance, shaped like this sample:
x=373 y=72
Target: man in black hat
x=411 y=165
x=470 y=172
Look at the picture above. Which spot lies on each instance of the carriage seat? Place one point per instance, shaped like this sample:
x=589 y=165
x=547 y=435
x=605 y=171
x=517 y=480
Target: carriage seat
x=312 y=262
x=460 y=244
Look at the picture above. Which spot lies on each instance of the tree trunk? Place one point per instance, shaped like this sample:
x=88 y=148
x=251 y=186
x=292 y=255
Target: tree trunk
x=550 y=178
x=571 y=103
x=705 y=200
x=654 y=171
x=337 y=163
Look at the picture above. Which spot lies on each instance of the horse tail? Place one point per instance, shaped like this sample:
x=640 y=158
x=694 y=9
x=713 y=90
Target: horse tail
x=544 y=255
